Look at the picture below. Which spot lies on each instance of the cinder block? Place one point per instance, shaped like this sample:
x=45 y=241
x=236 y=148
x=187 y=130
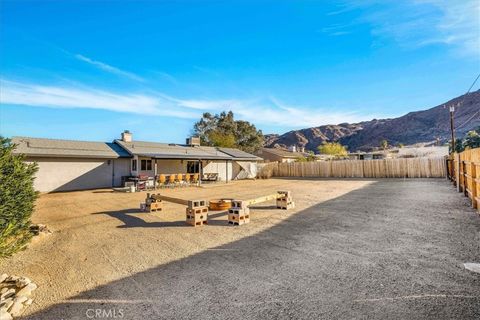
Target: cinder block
x=244 y=211
x=154 y=206
x=286 y=199
x=203 y=210
x=197 y=219
x=238 y=219
x=192 y=204
x=285 y=204
x=285 y=193
x=239 y=204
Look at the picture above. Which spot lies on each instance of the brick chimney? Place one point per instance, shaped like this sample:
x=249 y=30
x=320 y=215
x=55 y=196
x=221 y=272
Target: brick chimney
x=193 y=141
x=126 y=136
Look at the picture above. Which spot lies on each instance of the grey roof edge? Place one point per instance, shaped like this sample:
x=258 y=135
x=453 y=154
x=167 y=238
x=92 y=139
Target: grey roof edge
x=228 y=155
x=187 y=157
x=53 y=151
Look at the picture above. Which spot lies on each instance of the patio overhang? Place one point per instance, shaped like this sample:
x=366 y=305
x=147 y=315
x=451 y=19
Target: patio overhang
x=183 y=157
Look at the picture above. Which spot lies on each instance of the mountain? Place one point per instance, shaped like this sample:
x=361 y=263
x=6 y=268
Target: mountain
x=415 y=127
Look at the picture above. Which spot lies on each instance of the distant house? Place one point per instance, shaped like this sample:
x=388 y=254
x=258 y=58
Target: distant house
x=405 y=152
x=424 y=152
x=375 y=155
x=76 y=165
x=280 y=155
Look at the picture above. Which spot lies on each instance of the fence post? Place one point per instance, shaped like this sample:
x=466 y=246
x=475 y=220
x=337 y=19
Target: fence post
x=458 y=174
x=473 y=178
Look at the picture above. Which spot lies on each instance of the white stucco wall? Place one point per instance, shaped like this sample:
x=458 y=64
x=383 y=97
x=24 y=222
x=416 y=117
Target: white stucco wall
x=65 y=174
x=219 y=167
x=150 y=173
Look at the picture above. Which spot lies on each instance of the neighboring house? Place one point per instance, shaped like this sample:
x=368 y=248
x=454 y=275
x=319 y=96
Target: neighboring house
x=76 y=165
x=375 y=155
x=275 y=154
x=405 y=152
x=425 y=152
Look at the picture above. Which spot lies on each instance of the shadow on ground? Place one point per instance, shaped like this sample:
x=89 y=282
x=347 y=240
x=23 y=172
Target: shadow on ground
x=387 y=251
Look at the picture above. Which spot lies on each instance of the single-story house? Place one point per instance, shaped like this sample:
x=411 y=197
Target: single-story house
x=66 y=165
x=404 y=152
x=423 y=151
x=280 y=155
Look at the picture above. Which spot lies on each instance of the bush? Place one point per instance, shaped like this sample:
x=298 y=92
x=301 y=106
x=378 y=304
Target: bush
x=17 y=198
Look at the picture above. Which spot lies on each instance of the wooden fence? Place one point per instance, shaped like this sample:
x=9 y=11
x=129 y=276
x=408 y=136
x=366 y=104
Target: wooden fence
x=388 y=168
x=464 y=171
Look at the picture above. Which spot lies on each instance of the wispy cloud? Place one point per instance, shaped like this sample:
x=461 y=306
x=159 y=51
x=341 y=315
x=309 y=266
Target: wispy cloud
x=417 y=23
x=207 y=71
x=166 y=76
x=336 y=30
x=265 y=110
x=69 y=97
x=108 y=68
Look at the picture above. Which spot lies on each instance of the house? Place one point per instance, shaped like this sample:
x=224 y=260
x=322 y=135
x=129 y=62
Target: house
x=423 y=151
x=280 y=155
x=77 y=165
x=374 y=155
x=404 y=152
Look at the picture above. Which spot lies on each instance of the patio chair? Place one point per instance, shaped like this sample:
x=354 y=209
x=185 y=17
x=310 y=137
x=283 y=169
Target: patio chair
x=187 y=179
x=195 y=178
x=171 y=181
x=162 y=180
x=180 y=180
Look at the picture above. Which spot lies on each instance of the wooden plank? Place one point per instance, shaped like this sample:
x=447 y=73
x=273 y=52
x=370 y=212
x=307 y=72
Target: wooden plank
x=170 y=199
x=269 y=197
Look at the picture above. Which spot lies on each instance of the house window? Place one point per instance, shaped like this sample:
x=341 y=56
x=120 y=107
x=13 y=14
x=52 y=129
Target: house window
x=146 y=165
x=134 y=165
x=193 y=167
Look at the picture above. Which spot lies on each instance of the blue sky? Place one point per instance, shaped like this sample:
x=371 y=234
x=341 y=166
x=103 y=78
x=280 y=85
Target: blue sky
x=88 y=70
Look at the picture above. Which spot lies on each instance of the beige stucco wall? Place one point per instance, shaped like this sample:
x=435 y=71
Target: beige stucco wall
x=64 y=174
x=171 y=166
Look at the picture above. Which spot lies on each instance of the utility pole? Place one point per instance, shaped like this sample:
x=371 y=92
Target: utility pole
x=452 y=127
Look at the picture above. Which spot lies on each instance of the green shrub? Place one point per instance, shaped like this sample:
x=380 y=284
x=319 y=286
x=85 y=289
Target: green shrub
x=17 y=198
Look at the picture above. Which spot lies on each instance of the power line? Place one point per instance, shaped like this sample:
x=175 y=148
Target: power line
x=452 y=111
x=464 y=97
x=468 y=120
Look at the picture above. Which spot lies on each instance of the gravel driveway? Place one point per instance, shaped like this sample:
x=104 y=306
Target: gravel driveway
x=353 y=249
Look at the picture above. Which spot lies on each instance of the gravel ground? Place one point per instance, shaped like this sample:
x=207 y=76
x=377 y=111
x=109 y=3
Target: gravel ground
x=352 y=249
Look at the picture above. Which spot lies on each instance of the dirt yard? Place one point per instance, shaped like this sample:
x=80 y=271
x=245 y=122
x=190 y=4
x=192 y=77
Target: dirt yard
x=352 y=249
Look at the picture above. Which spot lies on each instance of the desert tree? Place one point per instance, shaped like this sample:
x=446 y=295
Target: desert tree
x=334 y=149
x=17 y=198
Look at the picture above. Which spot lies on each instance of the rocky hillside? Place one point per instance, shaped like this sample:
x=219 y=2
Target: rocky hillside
x=414 y=127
